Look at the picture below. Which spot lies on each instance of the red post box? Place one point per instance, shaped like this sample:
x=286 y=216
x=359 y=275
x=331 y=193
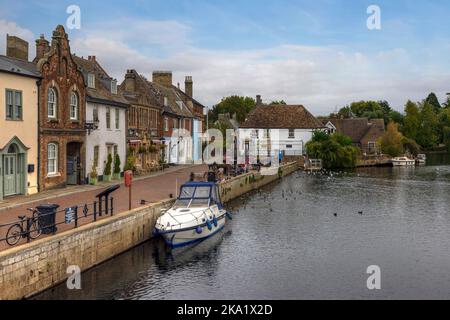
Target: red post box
x=128 y=178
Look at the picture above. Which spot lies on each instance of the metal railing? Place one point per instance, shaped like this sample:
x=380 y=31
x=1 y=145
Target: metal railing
x=30 y=227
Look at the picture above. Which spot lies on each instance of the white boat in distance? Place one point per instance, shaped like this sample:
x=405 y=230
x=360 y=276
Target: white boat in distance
x=403 y=161
x=421 y=159
x=196 y=215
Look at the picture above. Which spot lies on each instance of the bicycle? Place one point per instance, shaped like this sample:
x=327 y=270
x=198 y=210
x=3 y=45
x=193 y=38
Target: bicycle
x=19 y=230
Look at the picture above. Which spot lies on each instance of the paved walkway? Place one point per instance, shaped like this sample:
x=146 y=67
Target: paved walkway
x=153 y=188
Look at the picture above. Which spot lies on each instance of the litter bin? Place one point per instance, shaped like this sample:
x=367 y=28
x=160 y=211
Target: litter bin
x=47 y=215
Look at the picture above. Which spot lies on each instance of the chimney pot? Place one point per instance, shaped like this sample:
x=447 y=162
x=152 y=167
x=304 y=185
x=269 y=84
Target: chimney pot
x=258 y=99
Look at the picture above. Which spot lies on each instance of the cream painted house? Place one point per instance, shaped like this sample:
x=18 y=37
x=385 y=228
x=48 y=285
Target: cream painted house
x=18 y=126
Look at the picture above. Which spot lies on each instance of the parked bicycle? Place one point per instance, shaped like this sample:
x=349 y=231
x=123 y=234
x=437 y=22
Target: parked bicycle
x=22 y=230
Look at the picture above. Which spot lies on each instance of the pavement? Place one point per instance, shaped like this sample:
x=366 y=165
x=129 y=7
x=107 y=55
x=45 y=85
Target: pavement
x=153 y=188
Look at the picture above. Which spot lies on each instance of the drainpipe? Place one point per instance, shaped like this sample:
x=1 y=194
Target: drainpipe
x=38 y=164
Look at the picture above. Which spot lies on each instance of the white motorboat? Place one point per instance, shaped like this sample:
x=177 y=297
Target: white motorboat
x=196 y=215
x=403 y=161
x=421 y=159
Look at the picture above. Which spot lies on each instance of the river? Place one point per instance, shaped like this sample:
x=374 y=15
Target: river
x=306 y=237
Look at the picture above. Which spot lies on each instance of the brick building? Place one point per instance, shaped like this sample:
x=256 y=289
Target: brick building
x=62 y=133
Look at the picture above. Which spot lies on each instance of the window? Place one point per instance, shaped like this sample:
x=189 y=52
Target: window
x=114 y=86
x=95 y=114
x=73 y=106
x=13 y=105
x=291 y=133
x=116 y=151
x=289 y=146
x=51 y=103
x=117 y=119
x=174 y=123
x=52 y=158
x=166 y=124
x=91 y=80
x=108 y=118
x=96 y=153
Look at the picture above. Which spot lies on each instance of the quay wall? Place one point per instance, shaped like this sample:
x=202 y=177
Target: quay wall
x=34 y=267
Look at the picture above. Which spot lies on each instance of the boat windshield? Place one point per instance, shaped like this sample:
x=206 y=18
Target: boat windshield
x=194 y=196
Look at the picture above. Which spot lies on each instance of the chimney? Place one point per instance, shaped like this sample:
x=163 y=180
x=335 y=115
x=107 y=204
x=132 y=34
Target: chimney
x=258 y=100
x=130 y=81
x=16 y=48
x=42 y=47
x=189 y=86
x=92 y=58
x=163 y=78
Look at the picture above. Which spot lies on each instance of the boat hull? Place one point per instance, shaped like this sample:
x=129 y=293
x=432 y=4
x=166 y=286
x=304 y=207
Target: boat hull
x=184 y=237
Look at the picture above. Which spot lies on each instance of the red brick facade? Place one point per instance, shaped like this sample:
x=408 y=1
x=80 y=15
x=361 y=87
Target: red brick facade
x=60 y=73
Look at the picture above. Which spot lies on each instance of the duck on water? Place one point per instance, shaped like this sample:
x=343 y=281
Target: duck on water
x=197 y=214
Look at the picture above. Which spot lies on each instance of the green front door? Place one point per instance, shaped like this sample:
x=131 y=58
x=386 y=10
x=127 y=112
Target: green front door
x=9 y=175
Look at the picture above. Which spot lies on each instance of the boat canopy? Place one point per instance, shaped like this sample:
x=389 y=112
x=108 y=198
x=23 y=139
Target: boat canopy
x=198 y=194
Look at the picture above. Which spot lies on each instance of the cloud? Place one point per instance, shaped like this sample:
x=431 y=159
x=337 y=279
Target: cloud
x=11 y=28
x=320 y=77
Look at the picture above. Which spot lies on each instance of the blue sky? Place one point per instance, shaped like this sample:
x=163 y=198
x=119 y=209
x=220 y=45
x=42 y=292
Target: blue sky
x=319 y=53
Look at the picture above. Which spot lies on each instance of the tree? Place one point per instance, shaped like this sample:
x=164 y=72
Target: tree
x=443 y=123
x=396 y=116
x=367 y=109
x=411 y=120
x=427 y=135
x=107 y=170
x=116 y=164
x=434 y=101
x=278 y=102
x=335 y=151
x=391 y=142
x=240 y=106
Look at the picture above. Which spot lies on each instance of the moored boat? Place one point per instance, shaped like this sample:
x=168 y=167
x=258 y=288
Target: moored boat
x=403 y=161
x=421 y=159
x=196 y=215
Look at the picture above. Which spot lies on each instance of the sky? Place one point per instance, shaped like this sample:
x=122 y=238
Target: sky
x=317 y=53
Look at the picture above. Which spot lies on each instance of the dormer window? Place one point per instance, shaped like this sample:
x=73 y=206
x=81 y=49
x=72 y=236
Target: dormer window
x=91 y=80
x=114 y=86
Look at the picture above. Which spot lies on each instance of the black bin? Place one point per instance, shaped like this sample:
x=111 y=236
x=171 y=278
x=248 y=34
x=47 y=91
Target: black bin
x=47 y=218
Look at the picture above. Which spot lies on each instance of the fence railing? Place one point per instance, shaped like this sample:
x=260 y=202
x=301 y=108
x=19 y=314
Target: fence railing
x=31 y=226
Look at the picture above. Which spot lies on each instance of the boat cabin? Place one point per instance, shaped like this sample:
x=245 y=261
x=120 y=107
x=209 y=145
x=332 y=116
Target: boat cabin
x=198 y=194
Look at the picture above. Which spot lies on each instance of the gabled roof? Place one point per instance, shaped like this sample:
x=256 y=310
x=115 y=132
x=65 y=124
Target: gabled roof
x=102 y=91
x=281 y=117
x=355 y=128
x=19 y=67
x=175 y=103
x=144 y=93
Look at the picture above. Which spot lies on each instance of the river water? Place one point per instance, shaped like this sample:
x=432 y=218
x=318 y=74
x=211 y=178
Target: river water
x=306 y=237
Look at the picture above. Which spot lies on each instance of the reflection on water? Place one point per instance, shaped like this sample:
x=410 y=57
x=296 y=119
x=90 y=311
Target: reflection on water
x=307 y=237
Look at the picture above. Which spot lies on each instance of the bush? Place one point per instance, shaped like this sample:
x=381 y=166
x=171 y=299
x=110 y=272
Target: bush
x=117 y=164
x=336 y=151
x=130 y=164
x=93 y=174
x=107 y=171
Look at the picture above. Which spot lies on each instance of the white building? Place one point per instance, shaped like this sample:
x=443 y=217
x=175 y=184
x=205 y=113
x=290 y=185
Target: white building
x=272 y=130
x=106 y=115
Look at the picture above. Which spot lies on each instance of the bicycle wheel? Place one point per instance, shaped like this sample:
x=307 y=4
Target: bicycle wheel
x=14 y=234
x=35 y=231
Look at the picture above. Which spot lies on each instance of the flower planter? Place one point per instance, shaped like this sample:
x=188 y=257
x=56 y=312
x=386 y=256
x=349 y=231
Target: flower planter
x=93 y=181
x=107 y=178
x=116 y=176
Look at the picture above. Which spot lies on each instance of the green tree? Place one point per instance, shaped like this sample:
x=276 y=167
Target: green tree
x=391 y=142
x=396 y=116
x=443 y=123
x=427 y=135
x=117 y=164
x=335 y=151
x=277 y=102
x=411 y=120
x=368 y=109
x=107 y=170
x=240 y=106
x=434 y=101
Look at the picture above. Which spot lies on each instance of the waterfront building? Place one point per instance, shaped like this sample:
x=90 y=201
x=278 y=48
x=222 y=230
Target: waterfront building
x=143 y=119
x=105 y=117
x=179 y=126
x=364 y=132
x=18 y=121
x=62 y=112
x=286 y=128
